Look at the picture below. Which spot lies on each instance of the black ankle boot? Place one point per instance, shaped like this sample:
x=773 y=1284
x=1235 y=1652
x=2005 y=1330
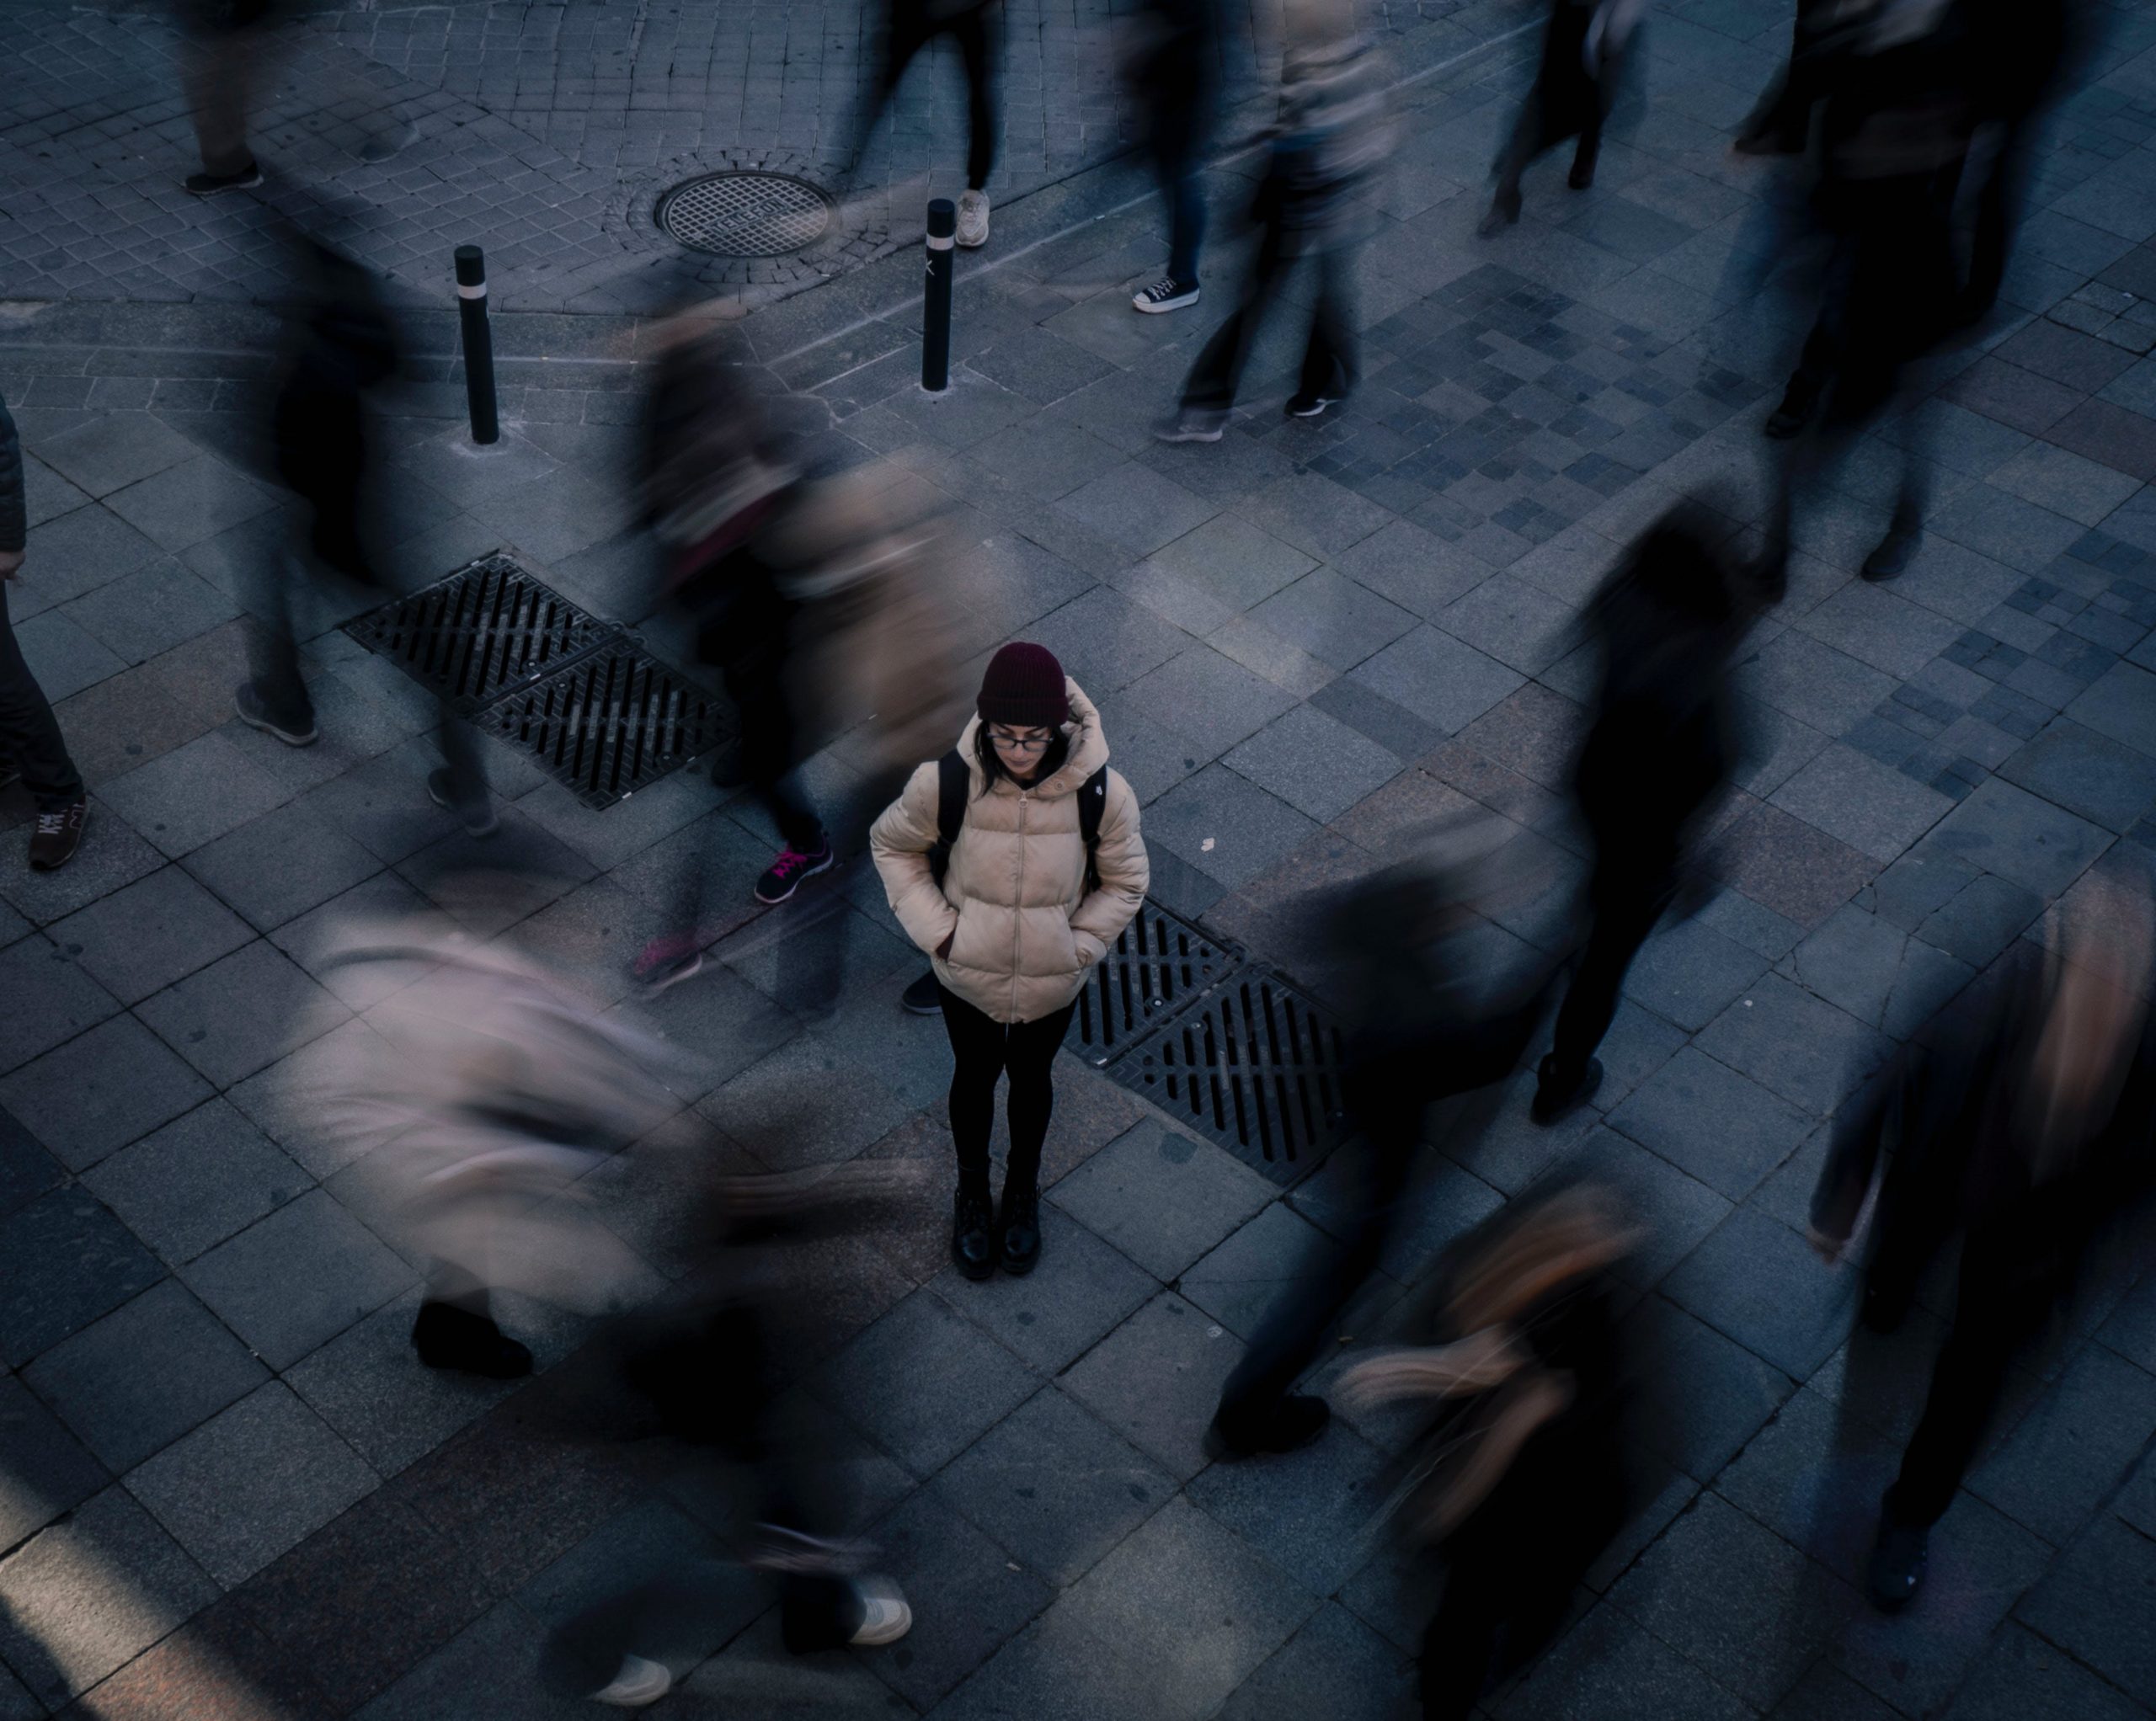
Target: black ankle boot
x=1558 y=1090
x=1022 y=1230
x=972 y=1235
x=446 y=1336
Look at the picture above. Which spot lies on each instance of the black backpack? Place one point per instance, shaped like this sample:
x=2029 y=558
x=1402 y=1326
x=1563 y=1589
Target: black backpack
x=953 y=777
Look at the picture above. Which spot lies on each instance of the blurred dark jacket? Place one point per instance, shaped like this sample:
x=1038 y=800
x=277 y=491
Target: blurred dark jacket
x=14 y=514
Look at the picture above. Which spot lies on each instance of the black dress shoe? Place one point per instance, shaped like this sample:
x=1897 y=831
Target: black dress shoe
x=1290 y=1426
x=1898 y=1559
x=1021 y=1231
x=1557 y=1091
x=973 y=1236
x=1893 y=555
x=446 y=1336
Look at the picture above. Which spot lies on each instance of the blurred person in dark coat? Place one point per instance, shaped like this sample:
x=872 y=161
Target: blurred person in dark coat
x=1662 y=743
x=1521 y=1479
x=1582 y=51
x=2025 y=1121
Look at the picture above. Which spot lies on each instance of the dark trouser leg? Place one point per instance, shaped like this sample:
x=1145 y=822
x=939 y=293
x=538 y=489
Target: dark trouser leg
x=977 y=1050
x=1329 y=359
x=217 y=68
x=974 y=32
x=1174 y=146
x=905 y=36
x=768 y=745
x=1029 y=1058
x=1999 y=201
x=1214 y=378
x=1460 y=1645
x=29 y=734
x=1626 y=910
x=273 y=648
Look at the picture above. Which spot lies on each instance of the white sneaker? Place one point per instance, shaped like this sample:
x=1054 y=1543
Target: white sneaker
x=972 y=220
x=1192 y=425
x=884 y=1616
x=1167 y=294
x=637 y=1685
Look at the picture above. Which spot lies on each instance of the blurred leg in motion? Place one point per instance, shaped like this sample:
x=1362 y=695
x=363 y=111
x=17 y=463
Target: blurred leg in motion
x=225 y=49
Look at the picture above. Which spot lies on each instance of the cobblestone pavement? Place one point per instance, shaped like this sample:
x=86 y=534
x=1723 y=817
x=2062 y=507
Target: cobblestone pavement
x=227 y=1490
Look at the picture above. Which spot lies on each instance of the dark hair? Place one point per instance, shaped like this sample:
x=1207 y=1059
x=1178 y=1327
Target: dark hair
x=992 y=766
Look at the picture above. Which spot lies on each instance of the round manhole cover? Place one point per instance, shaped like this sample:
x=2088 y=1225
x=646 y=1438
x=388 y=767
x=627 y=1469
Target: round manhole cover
x=745 y=214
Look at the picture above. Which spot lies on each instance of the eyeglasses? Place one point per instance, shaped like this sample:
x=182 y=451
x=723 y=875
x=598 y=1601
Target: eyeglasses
x=1037 y=744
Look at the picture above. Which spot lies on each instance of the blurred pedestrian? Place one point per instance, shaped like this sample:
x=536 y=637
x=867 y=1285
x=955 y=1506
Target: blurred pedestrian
x=1431 y=1024
x=1043 y=868
x=321 y=424
x=1174 y=76
x=1521 y=1480
x=974 y=27
x=1900 y=105
x=2025 y=1122
x=2020 y=52
x=1662 y=742
x=1780 y=124
x=1582 y=50
x=1330 y=137
x=32 y=749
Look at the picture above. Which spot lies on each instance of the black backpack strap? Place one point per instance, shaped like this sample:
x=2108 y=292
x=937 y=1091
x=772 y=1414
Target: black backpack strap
x=952 y=780
x=1092 y=803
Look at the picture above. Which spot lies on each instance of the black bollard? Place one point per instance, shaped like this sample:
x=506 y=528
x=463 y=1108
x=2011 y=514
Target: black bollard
x=478 y=343
x=936 y=303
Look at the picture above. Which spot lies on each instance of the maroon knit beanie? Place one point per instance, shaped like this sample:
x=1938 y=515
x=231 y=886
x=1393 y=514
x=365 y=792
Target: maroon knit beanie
x=1023 y=687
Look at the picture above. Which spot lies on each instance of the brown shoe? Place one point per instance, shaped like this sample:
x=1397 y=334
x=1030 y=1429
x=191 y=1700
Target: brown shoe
x=57 y=834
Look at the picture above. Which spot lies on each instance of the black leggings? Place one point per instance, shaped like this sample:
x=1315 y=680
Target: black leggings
x=983 y=1049
x=913 y=26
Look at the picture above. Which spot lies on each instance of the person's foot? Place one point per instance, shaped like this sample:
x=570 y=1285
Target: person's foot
x=1898 y=1559
x=255 y=713
x=446 y=1336
x=384 y=145
x=1770 y=573
x=972 y=220
x=1582 y=178
x=783 y=876
x=1311 y=406
x=639 y=1684
x=1557 y=1091
x=885 y=1617
x=667 y=973
x=925 y=997
x=1886 y=1305
x=1894 y=554
x=1192 y=425
x=1504 y=210
x=1789 y=417
x=57 y=834
x=973 y=1236
x=210 y=185
x=1294 y=1423
x=1021 y=1226
x=1766 y=143
x=1167 y=294
x=475 y=812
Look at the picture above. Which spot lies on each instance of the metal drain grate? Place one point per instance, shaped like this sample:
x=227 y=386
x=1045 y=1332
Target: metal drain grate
x=488 y=628
x=1157 y=965
x=1254 y=1066
x=610 y=723
x=742 y=213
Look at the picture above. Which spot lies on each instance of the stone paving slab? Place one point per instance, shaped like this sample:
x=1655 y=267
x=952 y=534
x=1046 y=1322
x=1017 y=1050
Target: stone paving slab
x=225 y=1489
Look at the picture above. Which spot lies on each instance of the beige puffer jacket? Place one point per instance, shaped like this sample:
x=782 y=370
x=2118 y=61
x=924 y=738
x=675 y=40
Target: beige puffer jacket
x=1027 y=929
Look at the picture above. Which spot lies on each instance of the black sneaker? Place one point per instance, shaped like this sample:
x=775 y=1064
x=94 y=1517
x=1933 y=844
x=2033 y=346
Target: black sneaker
x=1557 y=1093
x=1898 y=1559
x=254 y=712
x=1791 y=416
x=1295 y=1423
x=446 y=1336
x=783 y=876
x=210 y=185
x=1021 y=1226
x=925 y=997
x=1192 y=425
x=1167 y=294
x=476 y=814
x=1896 y=551
x=56 y=835
x=973 y=1236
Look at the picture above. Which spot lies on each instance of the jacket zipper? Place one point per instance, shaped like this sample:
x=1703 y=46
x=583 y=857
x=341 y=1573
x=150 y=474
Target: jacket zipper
x=1018 y=896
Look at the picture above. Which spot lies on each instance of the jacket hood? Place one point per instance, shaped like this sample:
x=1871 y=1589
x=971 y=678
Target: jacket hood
x=1089 y=746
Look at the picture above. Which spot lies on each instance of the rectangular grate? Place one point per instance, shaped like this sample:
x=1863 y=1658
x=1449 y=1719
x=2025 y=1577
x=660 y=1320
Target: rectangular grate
x=1253 y=1065
x=485 y=630
x=1158 y=964
x=609 y=722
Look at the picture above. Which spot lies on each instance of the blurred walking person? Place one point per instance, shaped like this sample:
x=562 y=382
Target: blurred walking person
x=2020 y=52
x=32 y=749
x=1780 y=123
x=1521 y=1480
x=324 y=438
x=1582 y=50
x=1662 y=742
x=1330 y=137
x=1042 y=868
x=1899 y=89
x=1431 y=1024
x=1174 y=76
x=974 y=28
x=2025 y=1123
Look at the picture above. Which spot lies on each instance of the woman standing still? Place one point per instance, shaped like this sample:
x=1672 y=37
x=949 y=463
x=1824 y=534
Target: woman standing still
x=1025 y=907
